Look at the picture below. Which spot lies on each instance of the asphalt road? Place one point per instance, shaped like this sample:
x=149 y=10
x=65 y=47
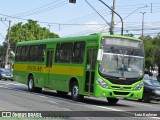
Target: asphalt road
x=15 y=96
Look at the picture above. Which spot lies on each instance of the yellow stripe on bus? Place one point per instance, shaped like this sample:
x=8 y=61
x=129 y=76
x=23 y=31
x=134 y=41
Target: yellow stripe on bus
x=68 y=70
x=56 y=69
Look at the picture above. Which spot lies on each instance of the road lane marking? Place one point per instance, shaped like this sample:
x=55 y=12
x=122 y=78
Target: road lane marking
x=53 y=102
x=141 y=104
x=2 y=109
x=4 y=87
x=11 y=84
x=42 y=96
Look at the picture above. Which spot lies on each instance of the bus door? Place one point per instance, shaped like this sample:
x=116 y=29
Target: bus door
x=49 y=60
x=90 y=70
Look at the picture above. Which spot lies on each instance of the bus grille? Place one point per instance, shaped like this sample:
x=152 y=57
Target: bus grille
x=120 y=93
x=119 y=88
x=123 y=82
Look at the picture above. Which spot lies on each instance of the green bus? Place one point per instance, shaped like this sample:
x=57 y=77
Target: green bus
x=98 y=65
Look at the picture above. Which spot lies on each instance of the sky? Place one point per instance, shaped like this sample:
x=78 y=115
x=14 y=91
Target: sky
x=69 y=19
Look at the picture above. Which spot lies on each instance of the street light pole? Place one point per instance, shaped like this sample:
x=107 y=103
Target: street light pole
x=7 y=51
x=115 y=13
x=142 y=24
x=112 y=19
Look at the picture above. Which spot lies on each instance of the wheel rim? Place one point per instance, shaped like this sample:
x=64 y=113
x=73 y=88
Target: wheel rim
x=30 y=84
x=75 y=91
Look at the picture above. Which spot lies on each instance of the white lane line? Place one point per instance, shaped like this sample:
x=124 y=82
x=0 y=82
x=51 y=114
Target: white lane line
x=42 y=96
x=2 y=109
x=4 y=87
x=141 y=104
x=108 y=108
x=12 y=84
x=53 y=102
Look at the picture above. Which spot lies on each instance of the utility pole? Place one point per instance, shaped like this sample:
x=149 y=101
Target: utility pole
x=7 y=51
x=142 y=23
x=112 y=19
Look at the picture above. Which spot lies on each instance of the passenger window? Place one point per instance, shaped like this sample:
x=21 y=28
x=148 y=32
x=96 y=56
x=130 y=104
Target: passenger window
x=33 y=52
x=66 y=52
x=18 y=51
x=41 y=52
x=57 y=52
x=78 y=52
x=24 y=53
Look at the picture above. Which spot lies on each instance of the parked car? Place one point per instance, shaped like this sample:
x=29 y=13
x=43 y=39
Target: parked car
x=6 y=74
x=151 y=89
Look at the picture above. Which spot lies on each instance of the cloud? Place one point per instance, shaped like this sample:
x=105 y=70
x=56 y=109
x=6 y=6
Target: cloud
x=92 y=25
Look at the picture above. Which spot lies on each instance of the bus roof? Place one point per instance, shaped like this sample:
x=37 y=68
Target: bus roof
x=77 y=38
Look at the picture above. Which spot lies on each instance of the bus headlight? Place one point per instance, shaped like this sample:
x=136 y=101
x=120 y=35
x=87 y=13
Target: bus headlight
x=102 y=83
x=139 y=86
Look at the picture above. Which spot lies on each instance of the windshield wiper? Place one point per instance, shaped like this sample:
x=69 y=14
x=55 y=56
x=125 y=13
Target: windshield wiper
x=117 y=52
x=129 y=59
x=113 y=49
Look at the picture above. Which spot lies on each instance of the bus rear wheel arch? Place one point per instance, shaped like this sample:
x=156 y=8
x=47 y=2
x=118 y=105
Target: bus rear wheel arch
x=31 y=86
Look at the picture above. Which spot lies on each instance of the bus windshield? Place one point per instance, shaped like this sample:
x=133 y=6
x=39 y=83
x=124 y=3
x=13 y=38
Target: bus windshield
x=122 y=58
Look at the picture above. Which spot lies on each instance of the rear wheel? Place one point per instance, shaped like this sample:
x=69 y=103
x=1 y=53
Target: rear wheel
x=112 y=100
x=31 y=86
x=75 y=92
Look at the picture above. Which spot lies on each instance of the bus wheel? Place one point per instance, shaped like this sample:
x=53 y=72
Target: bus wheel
x=31 y=87
x=112 y=100
x=61 y=93
x=75 y=92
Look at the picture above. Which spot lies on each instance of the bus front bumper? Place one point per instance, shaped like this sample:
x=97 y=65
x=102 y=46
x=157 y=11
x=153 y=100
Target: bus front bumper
x=119 y=94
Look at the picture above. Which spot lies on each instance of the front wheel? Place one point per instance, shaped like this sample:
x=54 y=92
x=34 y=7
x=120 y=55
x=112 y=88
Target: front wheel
x=75 y=92
x=112 y=100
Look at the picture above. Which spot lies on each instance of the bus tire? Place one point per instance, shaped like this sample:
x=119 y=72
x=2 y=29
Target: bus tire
x=75 y=92
x=31 y=87
x=112 y=100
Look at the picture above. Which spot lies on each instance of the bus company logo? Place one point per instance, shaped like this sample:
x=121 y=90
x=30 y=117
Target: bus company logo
x=6 y=114
x=121 y=87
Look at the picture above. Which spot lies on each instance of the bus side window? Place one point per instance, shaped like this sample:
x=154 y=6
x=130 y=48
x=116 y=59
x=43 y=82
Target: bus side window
x=57 y=52
x=33 y=52
x=18 y=51
x=24 y=53
x=66 y=52
x=41 y=53
x=78 y=52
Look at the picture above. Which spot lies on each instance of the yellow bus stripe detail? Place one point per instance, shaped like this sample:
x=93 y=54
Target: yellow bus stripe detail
x=56 y=69
x=68 y=70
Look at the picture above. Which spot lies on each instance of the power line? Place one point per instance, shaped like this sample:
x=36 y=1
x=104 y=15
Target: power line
x=97 y=12
x=19 y=14
x=45 y=9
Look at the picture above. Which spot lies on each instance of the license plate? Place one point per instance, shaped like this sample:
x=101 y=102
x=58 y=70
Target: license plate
x=120 y=98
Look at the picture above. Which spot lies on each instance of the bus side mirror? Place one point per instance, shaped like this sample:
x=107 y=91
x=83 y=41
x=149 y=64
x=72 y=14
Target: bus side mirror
x=100 y=55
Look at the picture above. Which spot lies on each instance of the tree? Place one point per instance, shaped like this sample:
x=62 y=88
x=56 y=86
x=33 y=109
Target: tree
x=28 y=31
x=130 y=35
x=149 y=50
x=156 y=42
